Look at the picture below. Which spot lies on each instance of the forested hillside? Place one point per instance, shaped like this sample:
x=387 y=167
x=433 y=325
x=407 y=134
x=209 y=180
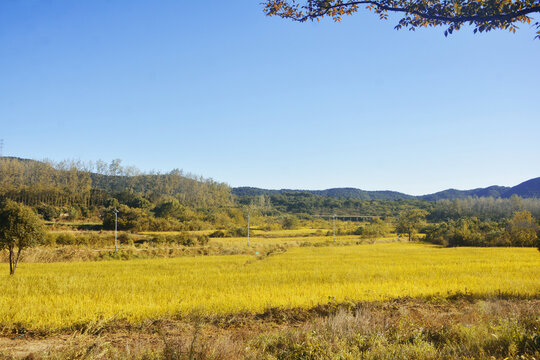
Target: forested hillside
x=527 y=189
x=176 y=201
x=298 y=202
x=92 y=184
x=348 y=193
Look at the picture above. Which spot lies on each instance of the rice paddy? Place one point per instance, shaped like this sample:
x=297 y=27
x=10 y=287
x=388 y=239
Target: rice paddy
x=64 y=295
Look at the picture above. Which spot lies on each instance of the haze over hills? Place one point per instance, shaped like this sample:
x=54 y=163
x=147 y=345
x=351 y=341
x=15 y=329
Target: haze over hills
x=527 y=189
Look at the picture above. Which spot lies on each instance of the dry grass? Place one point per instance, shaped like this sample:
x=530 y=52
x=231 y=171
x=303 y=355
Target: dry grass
x=464 y=328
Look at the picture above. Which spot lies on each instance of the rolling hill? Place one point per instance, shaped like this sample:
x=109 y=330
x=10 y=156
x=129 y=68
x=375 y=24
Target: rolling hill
x=527 y=189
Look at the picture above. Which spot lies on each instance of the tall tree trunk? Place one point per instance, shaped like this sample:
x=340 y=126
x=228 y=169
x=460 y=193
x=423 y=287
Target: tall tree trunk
x=17 y=260
x=11 y=271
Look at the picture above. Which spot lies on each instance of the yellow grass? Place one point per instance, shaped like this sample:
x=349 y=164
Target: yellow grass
x=253 y=232
x=294 y=241
x=60 y=295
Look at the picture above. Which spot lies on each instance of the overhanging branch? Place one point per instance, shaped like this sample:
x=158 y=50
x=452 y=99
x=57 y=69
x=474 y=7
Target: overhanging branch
x=502 y=17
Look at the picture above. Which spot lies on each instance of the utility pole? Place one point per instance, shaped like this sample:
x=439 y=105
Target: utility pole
x=1 y=147
x=115 y=228
x=334 y=218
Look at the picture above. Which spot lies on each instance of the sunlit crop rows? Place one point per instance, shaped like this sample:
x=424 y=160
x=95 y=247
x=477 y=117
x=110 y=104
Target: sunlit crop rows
x=59 y=295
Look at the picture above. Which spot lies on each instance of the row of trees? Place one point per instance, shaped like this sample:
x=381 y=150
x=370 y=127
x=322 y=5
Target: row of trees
x=91 y=184
x=306 y=203
x=521 y=229
x=484 y=208
x=21 y=227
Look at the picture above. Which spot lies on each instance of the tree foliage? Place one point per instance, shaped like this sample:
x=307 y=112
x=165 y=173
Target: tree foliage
x=20 y=228
x=520 y=230
x=484 y=208
x=483 y=15
x=74 y=183
x=410 y=222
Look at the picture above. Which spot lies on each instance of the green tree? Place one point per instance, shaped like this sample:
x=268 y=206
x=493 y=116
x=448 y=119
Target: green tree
x=483 y=15
x=128 y=218
x=20 y=228
x=522 y=229
x=169 y=208
x=410 y=222
x=290 y=222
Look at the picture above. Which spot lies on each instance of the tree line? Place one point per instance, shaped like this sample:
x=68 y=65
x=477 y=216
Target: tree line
x=178 y=201
x=88 y=185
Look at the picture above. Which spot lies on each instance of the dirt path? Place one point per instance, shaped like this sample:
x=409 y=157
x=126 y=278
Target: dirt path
x=23 y=347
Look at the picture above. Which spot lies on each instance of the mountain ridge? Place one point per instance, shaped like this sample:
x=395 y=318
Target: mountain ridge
x=527 y=189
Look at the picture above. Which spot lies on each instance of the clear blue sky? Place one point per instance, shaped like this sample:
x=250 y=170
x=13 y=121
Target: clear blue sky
x=216 y=88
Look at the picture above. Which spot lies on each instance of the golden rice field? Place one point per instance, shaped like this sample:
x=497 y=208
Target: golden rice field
x=61 y=295
x=291 y=240
x=253 y=232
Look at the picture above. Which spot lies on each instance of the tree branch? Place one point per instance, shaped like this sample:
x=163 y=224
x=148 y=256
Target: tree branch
x=454 y=19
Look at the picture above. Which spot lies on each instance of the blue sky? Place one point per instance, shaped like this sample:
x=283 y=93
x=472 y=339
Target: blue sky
x=218 y=89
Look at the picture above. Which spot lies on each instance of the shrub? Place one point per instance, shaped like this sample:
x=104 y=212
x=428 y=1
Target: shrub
x=239 y=232
x=49 y=239
x=217 y=234
x=290 y=223
x=359 y=231
x=202 y=239
x=128 y=219
x=66 y=239
x=124 y=238
x=73 y=213
x=48 y=212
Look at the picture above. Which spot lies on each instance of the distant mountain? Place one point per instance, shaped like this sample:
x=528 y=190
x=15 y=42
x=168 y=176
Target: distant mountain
x=527 y=189
x=353 y=193
x=346 y=193
x=343 y=193
x=451 y=194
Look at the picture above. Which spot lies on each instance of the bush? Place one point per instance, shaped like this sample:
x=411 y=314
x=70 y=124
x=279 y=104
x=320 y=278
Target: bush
x=169 y=208
x=290 y=223
x=158 y=240
x=70 y=239
x=217 y=234
x=359 y=231
x=239 y=232
x=66 y=239
x=183 y=239
x=128 y=219
x=124 y=238
x=164 y=224
x=470 y=232
x=202 y=240
x=49 y=239
x=48 y=212
x=73 y=213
